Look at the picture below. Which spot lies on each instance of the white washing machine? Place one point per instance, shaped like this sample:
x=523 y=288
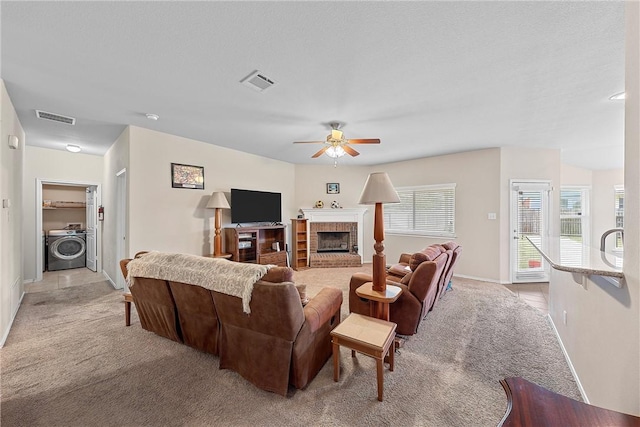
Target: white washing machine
x=67 y=249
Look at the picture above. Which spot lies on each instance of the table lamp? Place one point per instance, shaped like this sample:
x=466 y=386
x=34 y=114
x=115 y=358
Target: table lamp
x=378 y=190
x=218 y=201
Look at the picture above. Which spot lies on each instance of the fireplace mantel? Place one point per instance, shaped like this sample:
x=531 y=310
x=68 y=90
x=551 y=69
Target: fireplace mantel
x=339 y=215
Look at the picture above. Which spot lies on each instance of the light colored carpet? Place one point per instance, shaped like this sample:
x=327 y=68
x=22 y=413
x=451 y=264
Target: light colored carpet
x=70 y=361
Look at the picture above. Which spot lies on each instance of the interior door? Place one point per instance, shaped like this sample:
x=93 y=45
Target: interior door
x=529 y=219
x=91 y=229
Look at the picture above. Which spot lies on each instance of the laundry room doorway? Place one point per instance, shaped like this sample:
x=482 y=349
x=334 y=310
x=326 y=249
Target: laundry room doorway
x=71 y=206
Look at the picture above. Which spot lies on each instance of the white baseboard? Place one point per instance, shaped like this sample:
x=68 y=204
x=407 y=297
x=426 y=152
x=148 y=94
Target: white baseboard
x=111 y=281
x=568 y=359
x=482 y=279
x=13 y=317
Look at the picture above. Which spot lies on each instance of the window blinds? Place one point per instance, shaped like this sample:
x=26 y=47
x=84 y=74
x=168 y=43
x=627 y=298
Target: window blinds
x=425 y=210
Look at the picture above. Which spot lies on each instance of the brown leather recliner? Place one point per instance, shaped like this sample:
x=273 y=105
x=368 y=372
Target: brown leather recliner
x=454 y=250
x=419 y=290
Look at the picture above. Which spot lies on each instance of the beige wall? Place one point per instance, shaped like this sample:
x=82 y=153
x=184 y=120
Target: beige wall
x=602 y=334
x=54 y=166
x=310 y=186
x=172 y=219
x=11 y=287
x=572 y=175
x=115 y=160
x=476 y=175
x=632 y=199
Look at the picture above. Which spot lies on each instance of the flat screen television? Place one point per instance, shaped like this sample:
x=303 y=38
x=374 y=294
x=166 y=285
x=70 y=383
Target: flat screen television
x=255 y=206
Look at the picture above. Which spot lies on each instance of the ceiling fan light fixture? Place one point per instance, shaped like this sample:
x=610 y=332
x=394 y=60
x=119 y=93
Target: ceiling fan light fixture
x=335 y=151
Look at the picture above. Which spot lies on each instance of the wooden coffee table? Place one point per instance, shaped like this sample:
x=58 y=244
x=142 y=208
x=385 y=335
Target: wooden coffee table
x=366 y=335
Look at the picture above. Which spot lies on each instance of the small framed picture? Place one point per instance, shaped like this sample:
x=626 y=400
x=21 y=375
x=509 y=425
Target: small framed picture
x=186 y=176
x=333 y=188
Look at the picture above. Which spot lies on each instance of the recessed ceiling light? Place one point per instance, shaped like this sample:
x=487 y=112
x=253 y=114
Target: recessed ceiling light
x=73 y=148
x=152 y=116
x=618 y=97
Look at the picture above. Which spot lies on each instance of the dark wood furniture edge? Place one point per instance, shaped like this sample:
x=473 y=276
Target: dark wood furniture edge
x=529 y=404
x=507 y=391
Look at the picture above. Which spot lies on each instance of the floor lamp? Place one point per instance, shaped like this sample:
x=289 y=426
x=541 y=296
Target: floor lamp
x=378 y=190
x=218 y=201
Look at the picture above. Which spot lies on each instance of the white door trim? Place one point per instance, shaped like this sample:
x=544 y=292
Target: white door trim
x=527 y=185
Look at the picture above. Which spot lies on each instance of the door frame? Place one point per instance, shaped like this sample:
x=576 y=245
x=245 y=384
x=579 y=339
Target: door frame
x=513 y=220
x=121 y=225
x=38 y=234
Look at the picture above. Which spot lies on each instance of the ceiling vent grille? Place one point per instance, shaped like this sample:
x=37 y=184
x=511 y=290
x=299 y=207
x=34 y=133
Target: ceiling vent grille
x=55 y=117
x=258 y=81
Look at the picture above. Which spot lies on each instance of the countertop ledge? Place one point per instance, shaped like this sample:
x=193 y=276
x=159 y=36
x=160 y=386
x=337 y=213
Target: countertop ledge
x=594 y=261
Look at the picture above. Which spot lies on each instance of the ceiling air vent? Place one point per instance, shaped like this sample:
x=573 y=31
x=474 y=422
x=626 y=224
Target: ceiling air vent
x=257 y=81
x=55 y=117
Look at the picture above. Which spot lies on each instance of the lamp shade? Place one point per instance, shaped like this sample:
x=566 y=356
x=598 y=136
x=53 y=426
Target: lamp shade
x=378 y=189
x=218 y=200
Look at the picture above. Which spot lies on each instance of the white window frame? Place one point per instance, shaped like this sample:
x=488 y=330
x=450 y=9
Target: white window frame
x=449 y=216
x=586 y=211
x=618 y=189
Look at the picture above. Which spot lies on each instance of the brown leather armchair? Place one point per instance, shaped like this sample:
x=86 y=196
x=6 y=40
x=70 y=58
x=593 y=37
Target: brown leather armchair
x=419 y=289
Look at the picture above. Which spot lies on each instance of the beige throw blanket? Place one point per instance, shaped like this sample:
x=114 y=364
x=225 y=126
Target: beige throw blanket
x=216 y=274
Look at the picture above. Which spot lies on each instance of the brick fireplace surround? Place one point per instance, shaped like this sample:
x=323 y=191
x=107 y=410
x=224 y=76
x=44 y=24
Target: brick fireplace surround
x=333 y=259
x=335 y=220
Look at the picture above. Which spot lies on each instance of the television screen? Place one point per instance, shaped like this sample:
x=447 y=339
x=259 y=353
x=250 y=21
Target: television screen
x=255 y=206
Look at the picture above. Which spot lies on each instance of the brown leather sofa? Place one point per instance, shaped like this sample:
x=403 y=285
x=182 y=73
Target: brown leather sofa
x=279 y=343
x=420 y=287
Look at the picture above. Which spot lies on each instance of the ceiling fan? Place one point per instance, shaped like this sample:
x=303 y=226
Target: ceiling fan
x=336 y=145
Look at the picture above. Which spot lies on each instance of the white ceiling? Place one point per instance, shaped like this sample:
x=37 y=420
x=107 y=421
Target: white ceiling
x=427 y=78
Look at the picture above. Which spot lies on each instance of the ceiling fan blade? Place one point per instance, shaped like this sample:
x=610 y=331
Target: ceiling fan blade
x=364 y=141
x=309 y=142
x=350 y=150
x=319 y=153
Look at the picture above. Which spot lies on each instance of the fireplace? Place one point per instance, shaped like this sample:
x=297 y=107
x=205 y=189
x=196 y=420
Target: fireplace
x=347 y=223
x=333 y=241
x=334 y=244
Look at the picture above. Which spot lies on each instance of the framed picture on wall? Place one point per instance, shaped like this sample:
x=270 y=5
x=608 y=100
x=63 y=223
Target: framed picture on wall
x=187 y=176
x=333 y=188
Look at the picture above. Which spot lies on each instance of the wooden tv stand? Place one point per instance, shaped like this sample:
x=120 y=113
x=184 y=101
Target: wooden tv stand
x=255 y=244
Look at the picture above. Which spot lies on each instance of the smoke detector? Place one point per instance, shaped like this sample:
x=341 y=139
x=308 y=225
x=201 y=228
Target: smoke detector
x=55 y=117
x=258 y=81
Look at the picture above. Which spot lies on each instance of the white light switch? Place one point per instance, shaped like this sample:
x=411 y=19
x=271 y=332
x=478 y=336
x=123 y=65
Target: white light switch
x=6 y=203
x=491 y=215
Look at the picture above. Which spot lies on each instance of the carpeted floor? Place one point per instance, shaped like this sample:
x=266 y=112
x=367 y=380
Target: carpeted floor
x=70 y=361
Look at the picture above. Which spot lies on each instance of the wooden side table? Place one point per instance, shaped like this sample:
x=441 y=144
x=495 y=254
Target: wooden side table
x=128 y=299
x=379 y=301
x=366 y=335
x=225 y=256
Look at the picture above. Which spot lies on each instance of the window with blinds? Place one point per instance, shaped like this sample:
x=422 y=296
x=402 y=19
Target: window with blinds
x=574 y=224
x=425 y=210
x=619 y=212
